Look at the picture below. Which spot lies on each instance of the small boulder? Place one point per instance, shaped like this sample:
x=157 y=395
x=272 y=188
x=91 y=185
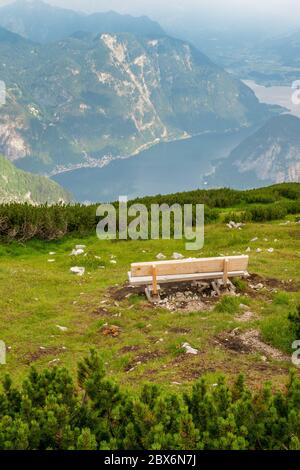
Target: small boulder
x=79 y=271
x=189 y=350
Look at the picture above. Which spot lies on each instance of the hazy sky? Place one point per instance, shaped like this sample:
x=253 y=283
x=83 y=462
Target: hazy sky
x=223 y=11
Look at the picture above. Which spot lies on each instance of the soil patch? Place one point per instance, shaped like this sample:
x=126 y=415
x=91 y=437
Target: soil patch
x=143 y=358
x=31 y=357
x=178 y=331
x=272 y=284
x=247 y=342
x=113 y=331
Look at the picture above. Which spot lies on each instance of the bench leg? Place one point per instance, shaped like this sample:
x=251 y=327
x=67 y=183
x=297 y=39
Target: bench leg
x=152 y=298
x=225 y=271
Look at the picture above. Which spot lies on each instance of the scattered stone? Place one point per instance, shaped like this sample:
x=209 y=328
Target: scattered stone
x=235 y=225
x=189 y=350
x=62 y=328
x=270 y=250
x=113 y=261
x=52 y=253
x=160 y=256
x=247 y=342
x=51 y=260
x=77 y=252
x=258 y=250
x=243 y=306
x=54 y=361
x=80 y=247
x=258 y=286
x=254 y=239
x=248 y=249
x=79 y=271
x=177 y=256
x=247 y=316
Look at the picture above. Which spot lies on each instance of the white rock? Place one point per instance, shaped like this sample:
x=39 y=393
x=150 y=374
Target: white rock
x=80 y=247
x=177 y=256
x=258 y=250
x=160 y=256
x=77 y=252
x=113 y=261
x=248 y=249
x=78 y=270
x=62 y=328
x=54 y=361
x=51 y=260
x=188 y=349
x=52 y=253
x=254 y=239
x=270 y=250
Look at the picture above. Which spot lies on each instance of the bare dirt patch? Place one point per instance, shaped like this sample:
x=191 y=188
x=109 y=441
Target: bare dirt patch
x=31 y=357
x=246 y=317
x=113 y=331
x=125 y=292
x=101 y=312
x=247 y=342
x=129 y=349
x=271 y=284
x=178 y=331
x=143 y=358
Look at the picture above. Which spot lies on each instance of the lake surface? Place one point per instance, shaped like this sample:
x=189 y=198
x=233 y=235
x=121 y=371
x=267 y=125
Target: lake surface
x=162 y=169
x=280 y=95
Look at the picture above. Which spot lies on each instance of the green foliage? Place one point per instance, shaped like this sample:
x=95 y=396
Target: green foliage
x=50 y=412
x=228 y=304
x=24 y=222
x=294 y=319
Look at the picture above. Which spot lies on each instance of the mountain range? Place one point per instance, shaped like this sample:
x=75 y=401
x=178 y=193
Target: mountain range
x=19 y=186
x=43 y=23
x=87 y=99
x=88 y=91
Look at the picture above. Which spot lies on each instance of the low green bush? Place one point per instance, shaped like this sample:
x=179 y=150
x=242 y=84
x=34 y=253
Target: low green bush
x=51 y=412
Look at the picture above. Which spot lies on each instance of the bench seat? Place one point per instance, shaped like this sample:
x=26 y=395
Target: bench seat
x=169 y=278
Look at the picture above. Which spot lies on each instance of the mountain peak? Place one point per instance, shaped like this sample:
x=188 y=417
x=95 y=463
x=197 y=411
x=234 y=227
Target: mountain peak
x=44 y=23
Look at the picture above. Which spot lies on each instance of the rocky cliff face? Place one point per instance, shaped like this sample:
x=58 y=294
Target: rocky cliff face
x=271 y=155
x=89 y=99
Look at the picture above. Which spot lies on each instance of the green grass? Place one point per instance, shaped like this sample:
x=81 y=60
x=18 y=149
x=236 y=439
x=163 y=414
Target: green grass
x=36 y=296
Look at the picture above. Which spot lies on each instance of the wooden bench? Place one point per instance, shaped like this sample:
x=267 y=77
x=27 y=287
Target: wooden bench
x=152 y=274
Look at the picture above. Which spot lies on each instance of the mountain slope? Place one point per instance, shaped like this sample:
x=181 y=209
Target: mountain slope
x=88 y=99
x=18 y=186
x=44 y=23
x=271 y=155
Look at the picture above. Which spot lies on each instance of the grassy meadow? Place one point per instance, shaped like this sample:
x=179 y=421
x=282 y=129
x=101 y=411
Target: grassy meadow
x=50 y=316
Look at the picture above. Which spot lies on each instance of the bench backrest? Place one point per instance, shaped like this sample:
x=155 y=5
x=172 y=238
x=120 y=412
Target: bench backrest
x=191 y=266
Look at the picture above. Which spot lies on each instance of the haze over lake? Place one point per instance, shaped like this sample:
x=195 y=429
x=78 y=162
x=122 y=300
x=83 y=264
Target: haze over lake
x=280 y=95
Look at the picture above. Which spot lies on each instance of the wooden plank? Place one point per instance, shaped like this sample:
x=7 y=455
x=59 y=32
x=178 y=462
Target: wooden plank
x=190 y=266
x=147 y=280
